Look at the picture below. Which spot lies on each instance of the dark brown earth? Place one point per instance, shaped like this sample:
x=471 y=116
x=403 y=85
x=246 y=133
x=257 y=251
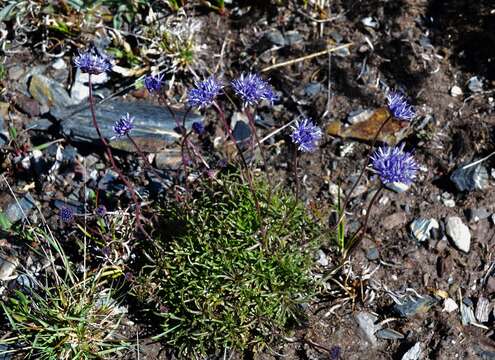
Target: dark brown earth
x=423 y=48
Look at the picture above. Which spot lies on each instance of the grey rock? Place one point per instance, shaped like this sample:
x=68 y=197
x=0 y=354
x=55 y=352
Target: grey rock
x=4 y=134
x=358 y=116
x=398 y=187
x=472 y=178
x=168 y=159
x=395 y=220
x=313 y=89
x=366 y=322
x=4 y=352
x=372 y=254
x=483 y=309
x=456 y=91
x=154 y=127
x=322 y=258
x=413 y=306
x=484 y=354
x=413 y=353
x=475 y=84
x=49 y=93
x=241 y=132
x=8 y=264
x=275 y=37
x=421 y=228
x=458 y=232
x=389 y=334
x=370 y=22
x=16 y=211
x=26 y=281
x=467 y=313
x=293 y=37
x=336 y=36
x=477 y=214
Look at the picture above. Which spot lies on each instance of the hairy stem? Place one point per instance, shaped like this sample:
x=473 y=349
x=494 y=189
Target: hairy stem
x=108 y=151
x=359 y=234
x=348 y=197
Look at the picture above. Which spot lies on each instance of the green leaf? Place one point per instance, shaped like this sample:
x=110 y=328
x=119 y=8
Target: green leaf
x=5 y=224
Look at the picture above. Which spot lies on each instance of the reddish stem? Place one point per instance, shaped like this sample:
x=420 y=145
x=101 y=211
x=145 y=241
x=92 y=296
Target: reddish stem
x=108 y=151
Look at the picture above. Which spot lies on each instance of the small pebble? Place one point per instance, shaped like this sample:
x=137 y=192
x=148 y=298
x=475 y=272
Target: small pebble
x=449 y=305
x=459 y=233
x=456 y=91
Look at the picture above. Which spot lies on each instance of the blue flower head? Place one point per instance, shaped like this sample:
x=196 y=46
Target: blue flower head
x=306 y=135
x=394 y=165
x=66 y=214
x=124 y=125
x=101 y=211
x=153 y=83
x=93 y=62
x=198 y=127
x=252 y=89
x=205 y=93
x=399 y=107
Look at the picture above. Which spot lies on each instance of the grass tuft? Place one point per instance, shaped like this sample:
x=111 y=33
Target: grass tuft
x=223 y=279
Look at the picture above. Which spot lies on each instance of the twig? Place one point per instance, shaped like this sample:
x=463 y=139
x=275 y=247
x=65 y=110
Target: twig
x=307 y=57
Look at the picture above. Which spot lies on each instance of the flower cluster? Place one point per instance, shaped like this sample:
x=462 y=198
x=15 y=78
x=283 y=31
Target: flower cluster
x=124 y=125
x=306 y=135
x=394 y=165
x=399 y=107
x=92 y=62
x=66 y=214
x=198 y=127
x=205 y=93
x=252 y=89
x=153 y=83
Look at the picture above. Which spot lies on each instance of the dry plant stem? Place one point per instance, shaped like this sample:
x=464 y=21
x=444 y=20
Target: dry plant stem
x=243 y=159
x=359 y=234
x=112 y=160
x=258 y=142
x=348 y=197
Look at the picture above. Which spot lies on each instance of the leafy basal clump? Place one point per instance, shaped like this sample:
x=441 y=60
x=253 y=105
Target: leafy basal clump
x=223 y=279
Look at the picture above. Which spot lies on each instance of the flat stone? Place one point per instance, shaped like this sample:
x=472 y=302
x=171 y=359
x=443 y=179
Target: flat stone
x=483 y=309
x=471 y=178
x=8 y=265
x=412 y=307
x=456 y=91
x=413 y=353
x=449 y=305
x=389 y=334
x=477 y=214
x=168 y=159
x=48 y=92
x=154 y=127
x=16 y=211
x=366 y=322
x=459 y=233
x=421 y=228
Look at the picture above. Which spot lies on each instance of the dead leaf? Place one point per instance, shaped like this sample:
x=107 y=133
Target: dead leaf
x=392 y=133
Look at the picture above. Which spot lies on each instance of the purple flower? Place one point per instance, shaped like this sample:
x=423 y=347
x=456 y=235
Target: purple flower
x=251 y=88
x=124 y=125
x=399 y=107
x=198 y=127
x=205 y=93
x=92 y=62
x=305 y=135
x=394 y=165
x=66 y=214
x=101 y=211
x=153 y=83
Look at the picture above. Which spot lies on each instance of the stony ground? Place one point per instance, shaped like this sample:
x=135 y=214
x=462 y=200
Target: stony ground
x=421 y=285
